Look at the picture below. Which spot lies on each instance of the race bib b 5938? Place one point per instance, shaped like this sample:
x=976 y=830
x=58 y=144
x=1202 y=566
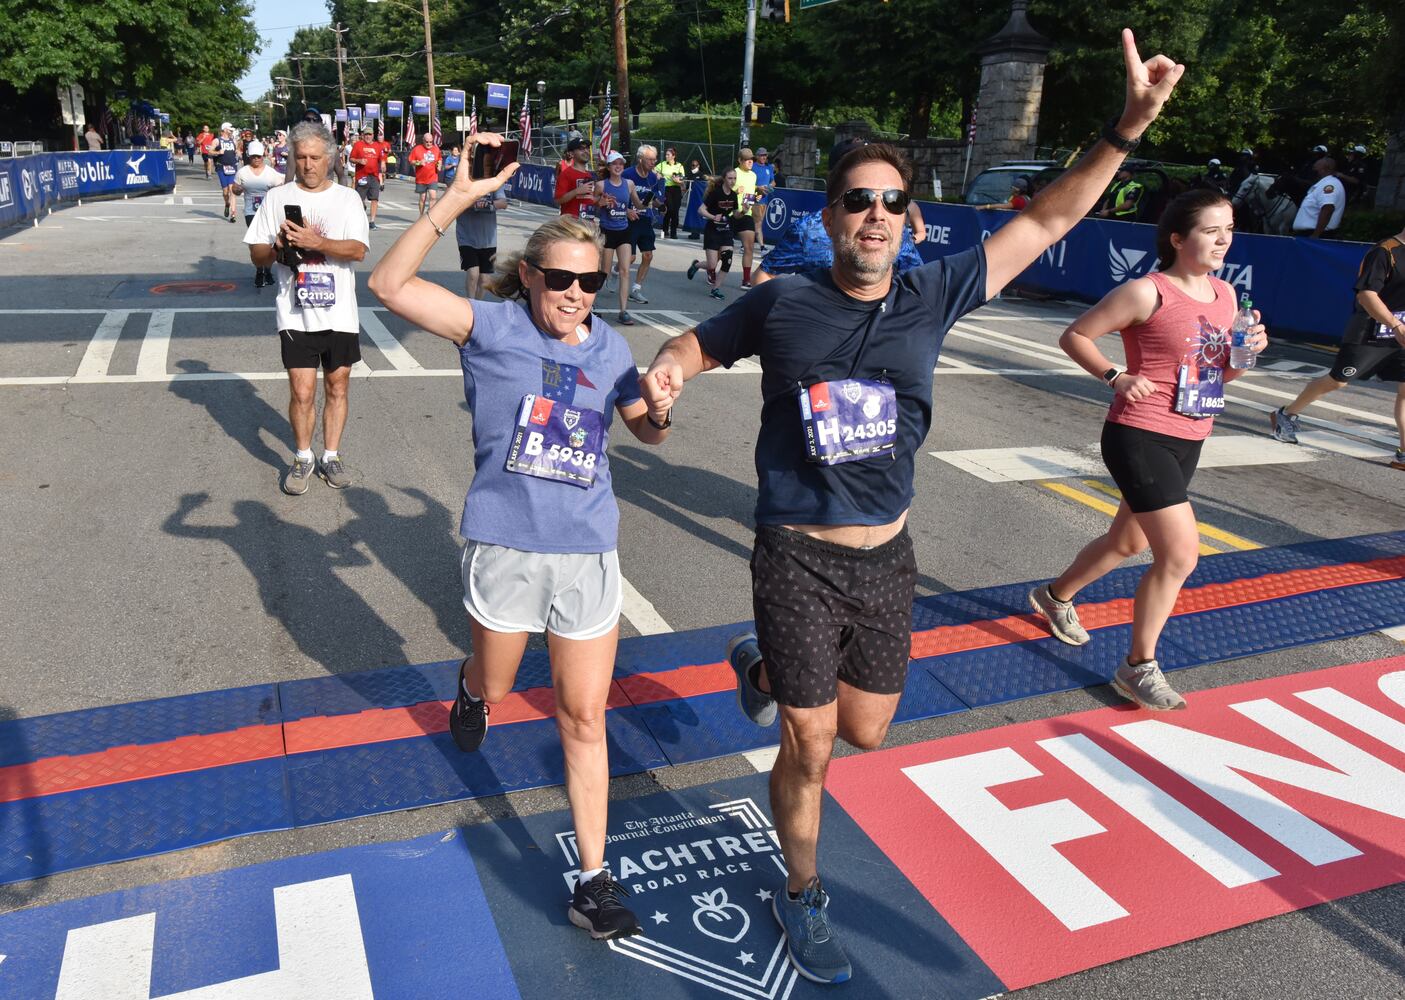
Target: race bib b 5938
x=555 y=441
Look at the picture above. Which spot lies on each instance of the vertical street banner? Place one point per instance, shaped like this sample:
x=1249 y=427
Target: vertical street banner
x=453 y=100
x=373 y=112
x=395 y=109
x=419 y=105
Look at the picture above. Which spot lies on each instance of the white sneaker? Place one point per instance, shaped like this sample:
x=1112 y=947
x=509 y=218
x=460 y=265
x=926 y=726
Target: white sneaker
x=636 y=294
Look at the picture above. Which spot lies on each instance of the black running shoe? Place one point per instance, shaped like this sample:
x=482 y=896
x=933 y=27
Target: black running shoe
x=468 y=719
x=596 y=907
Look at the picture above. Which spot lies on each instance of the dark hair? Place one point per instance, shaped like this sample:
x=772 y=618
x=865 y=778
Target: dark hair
x=1180 y=217
x=873 y=152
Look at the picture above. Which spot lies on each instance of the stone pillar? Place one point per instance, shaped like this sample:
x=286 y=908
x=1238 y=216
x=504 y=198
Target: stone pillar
x=1012 y=85
x=797 y=154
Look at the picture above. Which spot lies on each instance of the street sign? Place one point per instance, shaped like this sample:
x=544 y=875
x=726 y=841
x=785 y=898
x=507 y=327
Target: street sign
x=566 y=108
x=453 y=100
x=461 y=123
x=71 y=103
x=395 y=109
x=419 y=105
x=499 y=95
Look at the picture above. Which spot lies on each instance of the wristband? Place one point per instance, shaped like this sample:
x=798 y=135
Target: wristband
x=667 y=420
x=1116 y=140
x=1111 y=375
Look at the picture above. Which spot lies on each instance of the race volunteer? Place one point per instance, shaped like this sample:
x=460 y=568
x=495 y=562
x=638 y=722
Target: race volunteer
x=225 y=152
x=846 y=358
x=367 y=159
x=1324 y=204
x=649 y=185
x=543 y=380
x=765 y=180
x=318 y=323
x=1175 y=331
x=1124 y=198
x=746 y=203
x=718 y=209
x=672 y=172
x=1373 y=343
x=575 y=184
x=618 y=205
x=425 y=159
x=254 y=180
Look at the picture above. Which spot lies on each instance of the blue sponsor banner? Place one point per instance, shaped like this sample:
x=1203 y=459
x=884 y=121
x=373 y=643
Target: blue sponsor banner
x=533 y=183
x=419 y=105
x=453 y=100
x=354 y=114
x=373 y=111
x=499 y=95
x=30 y=184
x=395 y=109
x=339 y=115
x=333 y=926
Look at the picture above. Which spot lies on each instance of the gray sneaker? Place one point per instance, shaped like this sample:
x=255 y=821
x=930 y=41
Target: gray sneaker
x=295 y=479
x=333 y=473
x=1283 y=426
x=625 y=319
x=1146 y=685
x=809 y=939
x=1063 y=620
x=744 y=654
x=636 y=294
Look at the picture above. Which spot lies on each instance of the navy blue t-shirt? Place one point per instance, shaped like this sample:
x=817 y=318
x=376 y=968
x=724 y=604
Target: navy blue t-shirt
x=805 y=330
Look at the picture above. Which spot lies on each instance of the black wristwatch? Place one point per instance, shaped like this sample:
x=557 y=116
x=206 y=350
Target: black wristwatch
x=667 y=420
x=1117 y=140
x=1110 y=376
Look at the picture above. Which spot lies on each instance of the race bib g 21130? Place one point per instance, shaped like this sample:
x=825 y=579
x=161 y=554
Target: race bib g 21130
x=848 y=419
x=557 y=442
x=315 y=290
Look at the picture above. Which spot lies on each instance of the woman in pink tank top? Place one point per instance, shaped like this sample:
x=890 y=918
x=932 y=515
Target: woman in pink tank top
x=1175 y=327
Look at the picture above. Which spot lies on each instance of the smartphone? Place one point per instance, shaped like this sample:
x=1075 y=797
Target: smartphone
x=489 y=160
x=293 y=213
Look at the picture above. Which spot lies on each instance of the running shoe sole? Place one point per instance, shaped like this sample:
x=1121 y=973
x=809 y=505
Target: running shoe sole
x=583 y=922
x=1053 y=626
x=795 y=964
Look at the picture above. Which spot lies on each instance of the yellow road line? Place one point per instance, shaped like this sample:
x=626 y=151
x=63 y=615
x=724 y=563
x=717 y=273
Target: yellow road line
x=1208 y=530
x=1099 y=504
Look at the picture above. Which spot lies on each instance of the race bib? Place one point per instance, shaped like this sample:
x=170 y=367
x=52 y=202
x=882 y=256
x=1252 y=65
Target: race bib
x=1200 y=391
x=361 y=181
x=258 y=200
x=848 y=420
x=227 y=169
x=557 y=442
x=1383 y=332
x=315 y=290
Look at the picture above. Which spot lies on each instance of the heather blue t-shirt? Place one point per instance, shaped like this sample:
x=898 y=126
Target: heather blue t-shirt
x=505 y=358
x=805 y=330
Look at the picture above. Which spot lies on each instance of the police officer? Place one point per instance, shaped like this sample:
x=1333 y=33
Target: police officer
x=1124 y=197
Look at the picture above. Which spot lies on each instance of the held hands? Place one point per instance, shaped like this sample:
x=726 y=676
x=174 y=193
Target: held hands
x=1149 y=85
x=661 y=386
x=472 y=189
x=1133 y=387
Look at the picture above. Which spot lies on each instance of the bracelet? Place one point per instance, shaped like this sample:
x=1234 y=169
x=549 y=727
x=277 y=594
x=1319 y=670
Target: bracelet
x=433 y=225
x=1116 y=139
x=667 y=420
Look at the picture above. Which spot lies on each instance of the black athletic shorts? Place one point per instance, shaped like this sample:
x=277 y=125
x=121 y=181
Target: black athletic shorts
x=369 y=187
x=826 y=613
x=615 y=237
x=717 y=236
x=1152 y=470
x=479 y=257
x=326 y=349
x=1385 y=360
x=641 y=234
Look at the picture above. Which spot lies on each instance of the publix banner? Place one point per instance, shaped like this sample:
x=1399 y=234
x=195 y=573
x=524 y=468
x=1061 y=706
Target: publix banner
x=533 y=183
x=1302 y=286
x=30 y=184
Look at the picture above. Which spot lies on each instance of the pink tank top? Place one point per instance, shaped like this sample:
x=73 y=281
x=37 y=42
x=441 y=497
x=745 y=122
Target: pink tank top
x=1181 y=330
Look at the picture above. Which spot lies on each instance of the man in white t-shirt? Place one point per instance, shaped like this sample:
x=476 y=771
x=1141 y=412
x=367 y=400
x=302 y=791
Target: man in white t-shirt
x=1323 y=205
x=315 y=230
x=254 y=180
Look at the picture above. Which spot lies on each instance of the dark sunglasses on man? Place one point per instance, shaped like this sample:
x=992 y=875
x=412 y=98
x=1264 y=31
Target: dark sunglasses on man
x=558 y=280
x=857 y=200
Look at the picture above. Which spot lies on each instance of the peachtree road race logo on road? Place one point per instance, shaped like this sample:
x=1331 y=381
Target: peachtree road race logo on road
x=134 y=174
x=701 y=885
x=776 y=213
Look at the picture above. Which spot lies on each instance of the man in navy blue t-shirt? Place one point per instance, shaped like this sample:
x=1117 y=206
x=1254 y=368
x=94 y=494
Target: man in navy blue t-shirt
x=847 y=357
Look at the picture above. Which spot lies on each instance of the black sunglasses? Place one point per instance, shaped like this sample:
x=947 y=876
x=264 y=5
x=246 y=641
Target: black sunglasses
x=559 y=280
x=862 y=199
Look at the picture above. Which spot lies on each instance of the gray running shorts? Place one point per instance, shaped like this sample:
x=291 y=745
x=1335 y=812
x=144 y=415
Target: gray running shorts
x=575 y=595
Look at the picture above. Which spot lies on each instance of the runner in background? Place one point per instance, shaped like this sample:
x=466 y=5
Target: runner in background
x=367 y=160
x=279 y=152
x=765 y=181
x=450 y=166
x=477 y=233
x=718 y=208
x=543 y=380
x=425 y=159
x=618 y=206
x=1373 y=343
x=1175 y=326
x=205 y=141
x=672 y=172
x=743 y=221
x=575 y=184
x=225 y=153
x=649 y=186
x=254 y=180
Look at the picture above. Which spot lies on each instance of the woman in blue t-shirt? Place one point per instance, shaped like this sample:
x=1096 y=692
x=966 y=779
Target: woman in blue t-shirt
x=617 y=205
x=543 y=381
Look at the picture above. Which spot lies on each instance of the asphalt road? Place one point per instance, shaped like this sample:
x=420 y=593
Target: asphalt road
x=148 y=551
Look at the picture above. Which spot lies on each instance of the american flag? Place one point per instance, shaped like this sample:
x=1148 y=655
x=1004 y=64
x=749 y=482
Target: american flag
x=409 y=127
x=971 y=128
x=473 y=117
x=434 y=131
x=525 y=121
x=380 y=129
x=605 y=124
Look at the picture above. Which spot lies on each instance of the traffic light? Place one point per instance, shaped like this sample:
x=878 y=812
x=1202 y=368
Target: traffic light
x=775 y=10
x=758 y=114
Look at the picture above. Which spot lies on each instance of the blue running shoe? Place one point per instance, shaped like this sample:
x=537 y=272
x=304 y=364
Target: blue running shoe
x=744 y=654
x=809 y=938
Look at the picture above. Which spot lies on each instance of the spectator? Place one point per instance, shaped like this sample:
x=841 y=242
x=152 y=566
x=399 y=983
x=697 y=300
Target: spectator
x=693 y=175
x=673 y=173
x=1123 y=198
x=1323 y=205
x=1354 y=175
x=92 y=138
x=1243 y=170
x=765 y=181
x=1214 y=173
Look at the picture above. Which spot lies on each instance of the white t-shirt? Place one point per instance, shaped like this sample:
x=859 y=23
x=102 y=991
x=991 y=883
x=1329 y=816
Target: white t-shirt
x=323 y=297
x=1328 y=190
x=256 y=185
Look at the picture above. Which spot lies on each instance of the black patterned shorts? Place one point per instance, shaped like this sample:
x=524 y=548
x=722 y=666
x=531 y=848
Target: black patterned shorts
x=826 y=613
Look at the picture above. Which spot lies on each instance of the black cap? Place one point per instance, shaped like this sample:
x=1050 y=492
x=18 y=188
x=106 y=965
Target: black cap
x=576 y=144
x=843 y=148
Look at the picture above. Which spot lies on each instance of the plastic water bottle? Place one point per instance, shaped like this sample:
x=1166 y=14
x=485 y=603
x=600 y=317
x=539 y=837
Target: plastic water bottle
x=1240 y=356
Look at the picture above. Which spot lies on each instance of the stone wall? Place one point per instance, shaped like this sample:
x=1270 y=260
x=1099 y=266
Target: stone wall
x=1008 y=114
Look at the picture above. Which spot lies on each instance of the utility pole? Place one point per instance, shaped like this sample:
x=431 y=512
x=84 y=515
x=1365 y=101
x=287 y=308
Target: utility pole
x=622 y=75
x=747 y=63
x=429 y=66
x=341 y=58
x=302 y=88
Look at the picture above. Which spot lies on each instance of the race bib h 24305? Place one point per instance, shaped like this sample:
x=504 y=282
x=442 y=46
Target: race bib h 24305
x=848 y=419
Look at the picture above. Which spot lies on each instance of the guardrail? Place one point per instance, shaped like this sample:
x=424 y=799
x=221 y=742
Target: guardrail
x=30 y=185
x=21 y=147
